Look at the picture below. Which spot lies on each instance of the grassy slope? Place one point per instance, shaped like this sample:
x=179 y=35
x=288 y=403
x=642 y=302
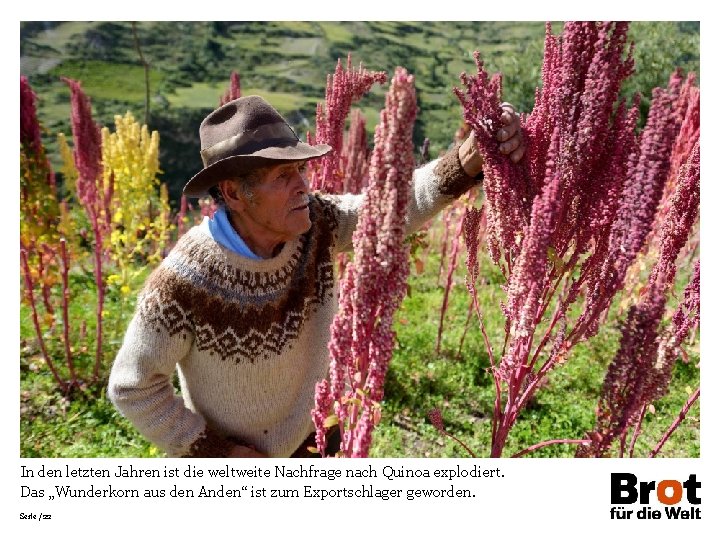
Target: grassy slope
x=418 y=380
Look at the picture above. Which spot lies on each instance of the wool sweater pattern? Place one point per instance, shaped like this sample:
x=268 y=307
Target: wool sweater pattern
x=248 y=337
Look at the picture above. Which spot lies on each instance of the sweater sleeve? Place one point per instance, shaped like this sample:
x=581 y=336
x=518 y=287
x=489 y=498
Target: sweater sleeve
x=435 y=185
x=140 y=384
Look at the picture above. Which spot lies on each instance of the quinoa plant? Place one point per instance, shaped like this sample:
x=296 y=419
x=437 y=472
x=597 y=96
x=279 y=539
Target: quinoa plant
x=566 y=223
x=362 y=338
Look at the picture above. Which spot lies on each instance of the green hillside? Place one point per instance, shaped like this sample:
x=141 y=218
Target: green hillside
x=287 y=62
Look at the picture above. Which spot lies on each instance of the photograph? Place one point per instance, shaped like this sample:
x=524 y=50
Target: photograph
x=383 y=239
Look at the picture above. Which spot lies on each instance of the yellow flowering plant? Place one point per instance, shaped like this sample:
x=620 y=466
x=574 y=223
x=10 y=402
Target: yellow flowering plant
x=139 y=220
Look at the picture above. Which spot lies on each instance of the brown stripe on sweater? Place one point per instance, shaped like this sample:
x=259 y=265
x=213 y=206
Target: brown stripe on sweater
x=215 y=301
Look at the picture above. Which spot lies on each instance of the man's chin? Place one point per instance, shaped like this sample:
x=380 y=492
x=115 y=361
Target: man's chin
x=298 y=229
x=301 y=221
x=306 y=228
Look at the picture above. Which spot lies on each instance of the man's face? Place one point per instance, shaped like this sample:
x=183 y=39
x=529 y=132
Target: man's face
x=278 y=205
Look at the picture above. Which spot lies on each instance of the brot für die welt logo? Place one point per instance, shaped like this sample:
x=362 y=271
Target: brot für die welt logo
x=681 y=498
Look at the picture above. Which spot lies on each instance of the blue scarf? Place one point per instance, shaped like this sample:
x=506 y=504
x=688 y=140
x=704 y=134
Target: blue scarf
x=223 y=233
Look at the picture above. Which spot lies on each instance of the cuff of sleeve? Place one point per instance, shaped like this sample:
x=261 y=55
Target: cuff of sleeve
x=210 y=445
x=453 y=180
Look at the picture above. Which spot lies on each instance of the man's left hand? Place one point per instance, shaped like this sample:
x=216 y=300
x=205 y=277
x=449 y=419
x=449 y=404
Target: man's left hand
x=510 y=135
x=510 y=141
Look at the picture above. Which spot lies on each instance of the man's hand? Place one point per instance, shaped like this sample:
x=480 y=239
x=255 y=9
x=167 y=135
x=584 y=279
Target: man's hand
x=509 y=136
x=245 y=452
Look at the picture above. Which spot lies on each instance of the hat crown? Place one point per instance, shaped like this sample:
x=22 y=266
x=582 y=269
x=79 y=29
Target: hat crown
x=243 y=134
x=243 y=115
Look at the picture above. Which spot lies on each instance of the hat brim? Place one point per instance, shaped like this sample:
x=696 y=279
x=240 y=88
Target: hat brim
x=233 y=166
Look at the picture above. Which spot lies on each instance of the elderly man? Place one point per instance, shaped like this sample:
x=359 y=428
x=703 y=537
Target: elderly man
x=242 y=305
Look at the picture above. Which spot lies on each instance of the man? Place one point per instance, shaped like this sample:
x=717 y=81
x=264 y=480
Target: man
x=243 y=303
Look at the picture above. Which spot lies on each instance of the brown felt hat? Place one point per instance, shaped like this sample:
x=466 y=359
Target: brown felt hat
x=242 y=135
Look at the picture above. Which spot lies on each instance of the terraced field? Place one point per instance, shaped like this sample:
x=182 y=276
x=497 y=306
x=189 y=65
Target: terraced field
x=287 y=62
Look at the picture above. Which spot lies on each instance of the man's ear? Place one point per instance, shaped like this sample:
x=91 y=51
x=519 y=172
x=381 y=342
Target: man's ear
x=231 y=192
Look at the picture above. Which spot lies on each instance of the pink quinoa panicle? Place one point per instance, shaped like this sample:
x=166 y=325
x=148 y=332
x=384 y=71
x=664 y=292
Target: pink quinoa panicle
x=344 y=87
x=471 y=235
x=568 y=221
x=681 y=216
x=627 y=384
x=29 y=125
x=642 y=368
x=356 y=153
x=436 y=420
x=362 y=338
x=31 y=146
x=88 y=143
x=234 y=91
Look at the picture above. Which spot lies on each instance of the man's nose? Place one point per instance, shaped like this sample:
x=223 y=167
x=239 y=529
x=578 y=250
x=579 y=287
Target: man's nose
x=302 y=186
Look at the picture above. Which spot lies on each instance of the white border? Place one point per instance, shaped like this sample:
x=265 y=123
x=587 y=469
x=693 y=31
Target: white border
x=538 y=498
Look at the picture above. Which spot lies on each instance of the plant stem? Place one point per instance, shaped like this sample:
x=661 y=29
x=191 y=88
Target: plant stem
x=636 y=432
x=44 y=287
x=689 y=403
x=454 y=438
x=548 y=443
x=465 y=330
x=36 y=321
x=100 y=298
x=448 y=279
x=488 y=345
x=447 y=215
x=65 y=313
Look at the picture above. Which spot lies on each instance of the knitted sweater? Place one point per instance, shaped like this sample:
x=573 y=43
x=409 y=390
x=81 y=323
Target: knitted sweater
x=248 y=337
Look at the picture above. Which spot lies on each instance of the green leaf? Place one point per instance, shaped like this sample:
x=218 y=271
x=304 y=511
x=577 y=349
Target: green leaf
x=556 y=261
